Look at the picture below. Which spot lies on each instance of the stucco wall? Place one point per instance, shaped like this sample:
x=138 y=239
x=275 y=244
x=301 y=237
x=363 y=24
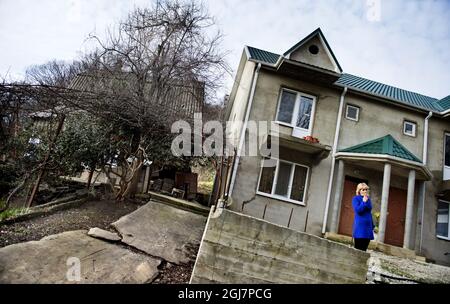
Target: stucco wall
x=241 y=249
x=431 y=246
x=320 y=59
x=376 y=119
x=306 y=217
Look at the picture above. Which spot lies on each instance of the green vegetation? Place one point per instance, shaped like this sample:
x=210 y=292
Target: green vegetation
x=12 y=212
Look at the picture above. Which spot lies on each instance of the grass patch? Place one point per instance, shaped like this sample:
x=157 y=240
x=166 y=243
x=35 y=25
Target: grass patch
x=12 y=212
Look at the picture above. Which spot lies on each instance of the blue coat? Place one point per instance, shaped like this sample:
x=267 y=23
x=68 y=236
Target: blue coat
x=362 y=225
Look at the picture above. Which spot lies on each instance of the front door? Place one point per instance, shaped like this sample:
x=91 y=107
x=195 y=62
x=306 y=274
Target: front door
x=347 y=216
x=395 y=224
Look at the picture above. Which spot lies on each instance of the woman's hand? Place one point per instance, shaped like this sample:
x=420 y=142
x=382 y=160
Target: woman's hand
x=365 y=198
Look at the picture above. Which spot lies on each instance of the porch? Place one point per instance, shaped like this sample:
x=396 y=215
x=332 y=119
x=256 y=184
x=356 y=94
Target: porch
x=397 y=205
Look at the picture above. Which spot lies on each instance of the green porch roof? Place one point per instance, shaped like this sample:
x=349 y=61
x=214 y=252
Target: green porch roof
x=370 y=87
x=383 y=145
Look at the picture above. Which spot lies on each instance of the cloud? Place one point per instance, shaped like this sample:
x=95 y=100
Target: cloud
x=407 y=48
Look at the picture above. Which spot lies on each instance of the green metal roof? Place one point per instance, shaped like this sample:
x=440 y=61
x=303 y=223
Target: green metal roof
x=370 y=87
x=383 y=145
x=444 y=103
x=261 y=55
x=390 y=92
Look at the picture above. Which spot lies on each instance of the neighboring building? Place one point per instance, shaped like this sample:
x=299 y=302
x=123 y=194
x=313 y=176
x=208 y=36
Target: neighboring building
x=396 y=141
x=182 y=101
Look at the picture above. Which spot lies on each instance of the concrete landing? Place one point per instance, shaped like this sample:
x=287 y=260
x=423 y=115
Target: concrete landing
x=180 y=203
x=53 y=259
x=163 y=231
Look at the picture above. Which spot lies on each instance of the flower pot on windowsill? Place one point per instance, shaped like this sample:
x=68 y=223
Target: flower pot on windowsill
x=311 y=139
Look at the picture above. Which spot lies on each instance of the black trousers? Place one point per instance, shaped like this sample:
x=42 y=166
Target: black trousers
x=362 y=244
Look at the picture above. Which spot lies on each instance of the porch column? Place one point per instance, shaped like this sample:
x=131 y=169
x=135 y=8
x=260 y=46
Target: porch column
x=384 y=202
x=409 y=209
x=338 y=197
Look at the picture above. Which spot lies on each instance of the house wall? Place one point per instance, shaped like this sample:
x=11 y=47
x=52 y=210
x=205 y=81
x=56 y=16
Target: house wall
x=376 y=119
x=321 y=59
x=431 y=246
x=241 y=91
x=303 y=218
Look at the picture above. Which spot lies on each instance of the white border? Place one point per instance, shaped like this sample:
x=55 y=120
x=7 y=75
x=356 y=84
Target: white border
x=448 y=228
x=414 y=125
x=291 y=179
x=296 y=109
x=445 y=168
x=346 y=112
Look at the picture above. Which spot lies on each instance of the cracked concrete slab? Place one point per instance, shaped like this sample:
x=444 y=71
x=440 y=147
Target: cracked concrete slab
x=395 y=270
x=163 y=231
x=103 y=234
x=55 y=259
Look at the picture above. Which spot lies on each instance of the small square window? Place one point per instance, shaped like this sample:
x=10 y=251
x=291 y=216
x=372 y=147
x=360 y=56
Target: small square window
x=409 y=128
x=352 y=113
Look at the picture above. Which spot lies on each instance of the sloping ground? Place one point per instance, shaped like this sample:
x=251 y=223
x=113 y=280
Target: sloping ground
x=395 y=270
x=163 y=231
x=161 y=234
x=54 y=260
x=237 y=248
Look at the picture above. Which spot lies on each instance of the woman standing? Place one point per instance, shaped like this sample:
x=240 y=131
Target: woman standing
x=362 y=225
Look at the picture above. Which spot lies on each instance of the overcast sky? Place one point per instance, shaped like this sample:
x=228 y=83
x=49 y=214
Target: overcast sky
x=401 y=43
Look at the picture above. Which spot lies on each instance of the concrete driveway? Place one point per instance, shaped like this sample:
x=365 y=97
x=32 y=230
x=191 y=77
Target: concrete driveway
x=158 y=232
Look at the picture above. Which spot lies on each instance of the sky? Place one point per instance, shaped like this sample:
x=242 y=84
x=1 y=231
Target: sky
x=401 y=43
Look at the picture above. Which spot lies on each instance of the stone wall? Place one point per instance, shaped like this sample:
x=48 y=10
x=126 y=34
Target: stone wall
x=237 y=248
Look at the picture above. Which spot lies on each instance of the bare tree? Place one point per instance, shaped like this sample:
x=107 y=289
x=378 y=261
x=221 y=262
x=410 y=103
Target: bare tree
x=157 y=68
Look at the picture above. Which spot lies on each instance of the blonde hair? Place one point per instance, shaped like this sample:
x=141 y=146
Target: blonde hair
x=360 y=186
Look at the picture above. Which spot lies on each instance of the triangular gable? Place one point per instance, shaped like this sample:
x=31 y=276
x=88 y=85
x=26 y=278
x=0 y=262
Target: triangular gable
x=383 y=145
x=304 y=51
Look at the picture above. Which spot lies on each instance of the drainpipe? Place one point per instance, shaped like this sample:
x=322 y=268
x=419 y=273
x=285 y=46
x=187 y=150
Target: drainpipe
x=422 y=185
x=244 y=127
x=333 y=159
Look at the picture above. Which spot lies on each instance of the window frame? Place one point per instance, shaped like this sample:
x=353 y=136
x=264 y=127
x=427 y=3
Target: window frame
x=414 y=128
x=446 y=169
x=291 y=179
x=294 y=118
x=448 y=228
x=357 y=112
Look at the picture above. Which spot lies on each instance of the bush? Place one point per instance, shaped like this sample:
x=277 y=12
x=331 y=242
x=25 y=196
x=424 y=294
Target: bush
x=8 y=177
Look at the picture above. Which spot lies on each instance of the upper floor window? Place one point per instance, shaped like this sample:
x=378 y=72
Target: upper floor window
x=442 y=225
x=409 y=128
x=352 y=112
x=446 y=156
x=296 y=110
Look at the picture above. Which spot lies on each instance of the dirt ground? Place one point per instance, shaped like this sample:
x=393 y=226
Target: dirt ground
x=91 y=214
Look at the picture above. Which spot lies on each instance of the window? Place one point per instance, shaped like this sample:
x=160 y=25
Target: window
x=286 y=181
x=409 y=128
x=442 y=225
x=296 y=110
x=313 y=49
x=446 y=156
x=352 y=112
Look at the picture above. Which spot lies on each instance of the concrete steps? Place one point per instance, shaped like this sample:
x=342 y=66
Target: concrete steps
x=179 y=203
